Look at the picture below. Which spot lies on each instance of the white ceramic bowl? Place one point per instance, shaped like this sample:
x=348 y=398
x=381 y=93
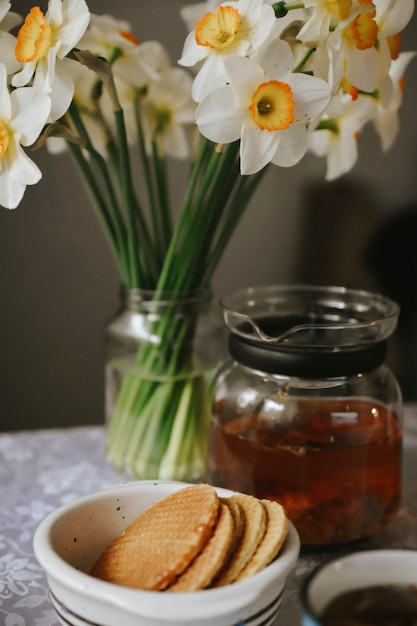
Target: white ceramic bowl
x=70 y=539
x=358 y=570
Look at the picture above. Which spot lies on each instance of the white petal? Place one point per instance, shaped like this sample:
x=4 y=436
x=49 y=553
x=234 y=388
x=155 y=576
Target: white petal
x=4 y=8
x=363 y=68
x=11 y=20
x=245 y=77
x=76 y=17
x=311 y=95
x=30 y=112
x=54 y=14
x=192 y=53
x=175 y=143
x=292 y=146
x=394 y=20
x=23 y=77
x=249 y=10
x=63 y=91
x=23 y=170
x=276 y=59
x=387 y=127
x=319 y=142
x=5 y=105
x=257 y=148
x=342 y=157
x=11 y=192
x=16 y=172
x=209 y=78
x=217 y=117
x=265 y=25
x=8 y=57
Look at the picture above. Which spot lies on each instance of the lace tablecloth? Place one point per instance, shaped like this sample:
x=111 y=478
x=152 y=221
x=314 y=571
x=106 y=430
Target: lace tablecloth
x=42 y=470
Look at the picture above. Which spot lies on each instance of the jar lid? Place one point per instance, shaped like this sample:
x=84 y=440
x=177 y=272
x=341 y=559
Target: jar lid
x=306 y=363
x=309 y=331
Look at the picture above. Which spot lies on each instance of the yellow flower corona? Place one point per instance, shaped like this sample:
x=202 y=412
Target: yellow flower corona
x=4 y=139
x=394 y=44
x=218 y=30
x=34 y=38
x=339 y=8
x=272 y=106
x=363 y=31
x=349 y=88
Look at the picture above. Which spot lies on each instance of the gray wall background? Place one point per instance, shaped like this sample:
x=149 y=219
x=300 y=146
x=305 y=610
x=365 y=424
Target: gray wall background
x=58 y=283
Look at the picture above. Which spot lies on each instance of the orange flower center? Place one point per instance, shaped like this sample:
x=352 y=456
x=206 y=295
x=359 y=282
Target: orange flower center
x=4 y=139
x=363 y=31
x=218 y=30
x=34 y=38
x=129 y=36
x=272 y=106
x=394 y=44
x=339 y=8
x=349 y=88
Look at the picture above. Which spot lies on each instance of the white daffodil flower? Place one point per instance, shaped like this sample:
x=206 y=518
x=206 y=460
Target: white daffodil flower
x=335 y=137
x=8 y=20
x=148 y=63
x=105 y=34
x=167 y=110
x=133 y=62
x=191 y=13
x=23 y=114
x=235 y=28
x=390 y=22
x=363 y=50
x=265 y=105
x=325 y=15
x=386 y=120
x=42 y=44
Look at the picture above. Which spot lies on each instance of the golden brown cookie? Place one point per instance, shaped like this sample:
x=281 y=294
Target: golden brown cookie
x=159 y=544
x=208 y=563
x=276 y=532
x=238 y=519
x=254 y=527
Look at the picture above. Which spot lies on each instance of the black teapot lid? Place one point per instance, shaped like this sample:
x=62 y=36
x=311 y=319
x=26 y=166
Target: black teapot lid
x=303 y=361
x=309 y=331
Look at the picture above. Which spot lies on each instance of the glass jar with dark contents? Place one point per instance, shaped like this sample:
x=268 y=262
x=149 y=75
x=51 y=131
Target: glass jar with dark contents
x=306 y=412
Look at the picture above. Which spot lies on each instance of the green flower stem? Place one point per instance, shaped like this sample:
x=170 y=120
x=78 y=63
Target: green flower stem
x=160 y=421
x=100 y=167
x=99 y=203
x=150 y=188
x=191 y=228
x=169 y=432
x=152 y=396
x=189 y=429
x=161 y=178
x=211 y=209
x=128 y=197
x=244 y=192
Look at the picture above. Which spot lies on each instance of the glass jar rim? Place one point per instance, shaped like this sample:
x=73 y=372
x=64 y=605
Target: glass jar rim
x=311 y=316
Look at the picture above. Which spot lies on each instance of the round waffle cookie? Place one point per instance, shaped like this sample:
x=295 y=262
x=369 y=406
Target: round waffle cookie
x=276 y=532
x=209 y=562
x=254 y=528
x=160 y=544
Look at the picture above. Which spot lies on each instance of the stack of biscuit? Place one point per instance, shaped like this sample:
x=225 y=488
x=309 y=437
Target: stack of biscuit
x=192 y=540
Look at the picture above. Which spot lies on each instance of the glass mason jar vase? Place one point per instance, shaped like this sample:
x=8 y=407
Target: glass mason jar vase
x=306 y=412
x=160 y=359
